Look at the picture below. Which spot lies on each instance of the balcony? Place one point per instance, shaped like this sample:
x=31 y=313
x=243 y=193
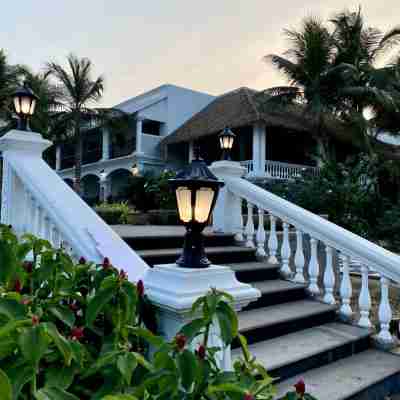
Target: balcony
x=280 y=170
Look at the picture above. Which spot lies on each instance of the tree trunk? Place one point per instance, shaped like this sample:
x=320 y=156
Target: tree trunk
x=78 y=156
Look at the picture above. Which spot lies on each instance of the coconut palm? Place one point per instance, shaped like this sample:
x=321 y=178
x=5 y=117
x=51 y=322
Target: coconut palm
x=76 y=117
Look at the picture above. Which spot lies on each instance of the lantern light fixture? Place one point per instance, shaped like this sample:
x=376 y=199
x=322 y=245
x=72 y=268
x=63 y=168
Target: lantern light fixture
x=226 y=139
x=103 y=175
x=24 y=100
x=196 y=189
x=135 y=170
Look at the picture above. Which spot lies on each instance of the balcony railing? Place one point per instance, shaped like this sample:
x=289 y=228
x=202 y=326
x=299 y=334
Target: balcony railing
x=280 y=170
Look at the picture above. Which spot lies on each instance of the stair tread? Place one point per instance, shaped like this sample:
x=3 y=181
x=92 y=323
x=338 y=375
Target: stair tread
x=346 y=377
x=285 y=350
x=279 y=313
x=251 y=266
x=209 y=251
x=276 y=285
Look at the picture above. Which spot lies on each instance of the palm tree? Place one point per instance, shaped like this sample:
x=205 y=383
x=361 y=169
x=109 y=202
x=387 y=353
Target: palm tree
x=312 y=77
x=76 y=116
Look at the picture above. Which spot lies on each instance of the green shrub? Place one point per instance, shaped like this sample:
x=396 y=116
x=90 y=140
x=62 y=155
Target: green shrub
x=114 y=213
x=80 y=331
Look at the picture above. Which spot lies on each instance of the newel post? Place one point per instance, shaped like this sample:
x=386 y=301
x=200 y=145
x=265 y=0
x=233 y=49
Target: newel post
x=227 y=216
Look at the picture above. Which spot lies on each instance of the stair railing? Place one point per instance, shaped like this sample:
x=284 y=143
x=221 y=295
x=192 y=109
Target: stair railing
x=36 y=200
x=327 y=238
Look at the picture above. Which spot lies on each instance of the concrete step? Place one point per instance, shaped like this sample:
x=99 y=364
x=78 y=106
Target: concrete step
x=370 y=375
x=281 y=319
x=276 y=292
x=173 y=240
x=220 y=255
x=255 y=271
x=297 y=352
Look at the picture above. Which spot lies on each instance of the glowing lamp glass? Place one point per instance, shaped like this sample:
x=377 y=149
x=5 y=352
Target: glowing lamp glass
x=184 y=200
x=203 y=204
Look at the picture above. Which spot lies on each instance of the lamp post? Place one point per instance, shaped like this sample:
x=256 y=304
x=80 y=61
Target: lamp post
x=226 y=139
x=103 y=184
x=135 y=170
x=196 y=189
x=24 y=105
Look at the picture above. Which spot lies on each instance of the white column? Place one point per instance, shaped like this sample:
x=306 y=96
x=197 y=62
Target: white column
x=138 y=136
x=259 y=143
x=58 y=157
x=104 y=189
x=105 y=144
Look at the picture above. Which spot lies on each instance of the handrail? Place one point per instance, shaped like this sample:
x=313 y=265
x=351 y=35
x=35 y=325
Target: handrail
x=382 y=260
x=36 y=200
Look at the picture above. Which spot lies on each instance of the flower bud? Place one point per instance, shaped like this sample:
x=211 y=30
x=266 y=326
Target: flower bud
x=35 y=320
x=77 y=333
x=300 y=387
x=82 y=261
x=180 y=341
x=140 y=288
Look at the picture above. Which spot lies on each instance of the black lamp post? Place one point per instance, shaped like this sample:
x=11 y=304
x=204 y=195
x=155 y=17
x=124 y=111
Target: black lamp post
x=226 y=139
x=24 y=105
x=196 y=189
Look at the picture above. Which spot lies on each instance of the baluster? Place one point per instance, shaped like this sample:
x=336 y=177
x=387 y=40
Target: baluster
x=329 y=277
x=345 y=290
x=25 y=212
x=272 y=241
x=35 y=217
x=46 y=226
x=313 y=268
x=249 y=232
x=364 y=300
x=39 y=221
x=299 y=258
x=385 y=313
x=56 y=238
x=285 y=251
x=261 y=235
x=239 y=235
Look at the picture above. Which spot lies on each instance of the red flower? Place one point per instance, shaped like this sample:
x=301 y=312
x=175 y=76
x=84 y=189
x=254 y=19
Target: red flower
x=77 y=333
x=73 y=306
x=82 y=260
x=25 y=302
x=248 y=396
x=17 y=286
x=28 y=266
x=140 y=288
x=35 y=320
x=122 y=275
x=180 y=341
x=201 y=352
x=106 y=263
x=300 y=387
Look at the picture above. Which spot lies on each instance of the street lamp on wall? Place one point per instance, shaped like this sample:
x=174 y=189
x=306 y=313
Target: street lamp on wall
x=196 y=189
x=226 y=139
x=24 y=105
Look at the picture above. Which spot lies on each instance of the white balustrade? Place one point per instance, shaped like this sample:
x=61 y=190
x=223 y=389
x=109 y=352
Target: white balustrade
x=285 y=251
x=329 y=277
x=351 y=249
x=299 y=259
x=364 y=300
x=385 y=313
x=249 y=231
x=313 y=268
x=272 y=241
x=261 y=235
x=346 y=290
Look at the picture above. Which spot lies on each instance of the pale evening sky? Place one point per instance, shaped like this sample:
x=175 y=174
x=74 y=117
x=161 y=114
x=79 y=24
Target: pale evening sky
x=209 y=45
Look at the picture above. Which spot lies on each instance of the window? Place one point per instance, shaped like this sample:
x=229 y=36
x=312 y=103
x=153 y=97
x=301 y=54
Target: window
x=150 y=127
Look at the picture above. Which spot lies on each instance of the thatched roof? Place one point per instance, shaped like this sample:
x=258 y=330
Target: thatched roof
x=235 y=109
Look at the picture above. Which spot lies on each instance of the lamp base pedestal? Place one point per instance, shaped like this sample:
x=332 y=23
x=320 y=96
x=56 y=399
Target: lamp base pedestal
x=173 y=290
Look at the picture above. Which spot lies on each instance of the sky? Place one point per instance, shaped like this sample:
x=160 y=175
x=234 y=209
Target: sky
x=211 y=45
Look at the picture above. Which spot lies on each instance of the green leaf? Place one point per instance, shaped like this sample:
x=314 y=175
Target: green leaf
x=192 y=329
x=227 y=388
x=143 y=362
x=245 y=347
x=64 y=314
x=102 y=297
x=225 y=327
x=12 y=326
x=7 y=347
x=129 y=295
x=5 y=386
x=148 y=336
x=126 y=364
x=187 y=365
x=120 y=397
x=33 y=344
x=8 y=261
x=54 y=393
x=20 y=375
x=61 y=377
x=12 y=309
x=61 y=343
x=230 y=313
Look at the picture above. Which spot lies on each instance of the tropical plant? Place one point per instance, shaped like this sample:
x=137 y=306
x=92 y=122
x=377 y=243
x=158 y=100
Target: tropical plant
x=80 y=331
x=159 y=187
x=114 y=213
x=76 y=116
